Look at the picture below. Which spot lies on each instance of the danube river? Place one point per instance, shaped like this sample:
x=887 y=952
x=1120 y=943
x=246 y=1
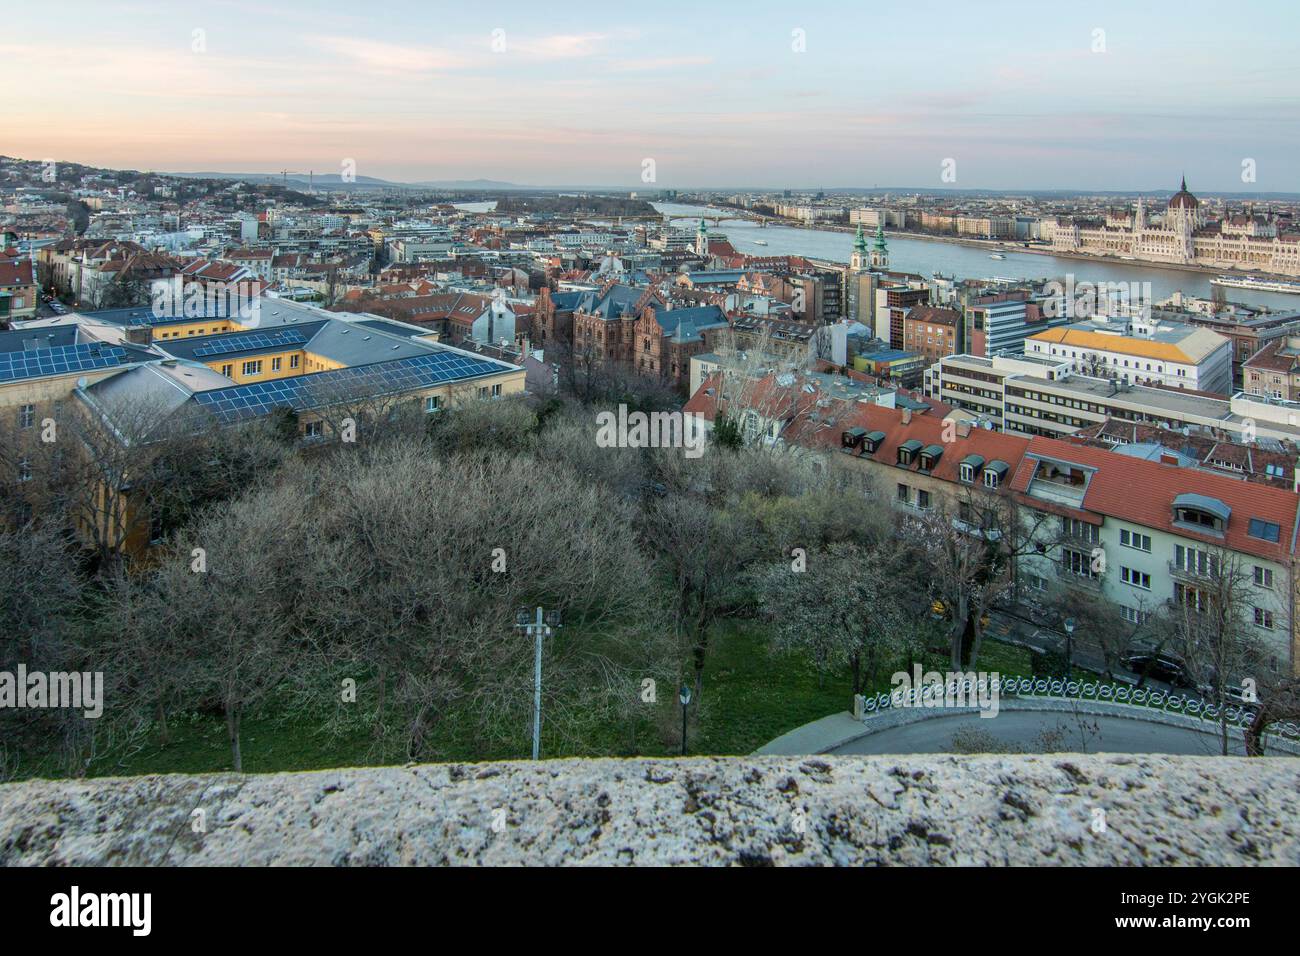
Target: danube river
x=926 y=256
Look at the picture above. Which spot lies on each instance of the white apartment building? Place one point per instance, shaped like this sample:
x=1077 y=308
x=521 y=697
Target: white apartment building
x=1177 y=356
x=1042 y=395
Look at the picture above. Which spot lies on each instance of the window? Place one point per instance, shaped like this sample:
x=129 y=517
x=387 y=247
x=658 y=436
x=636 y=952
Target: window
x=1263 y=618
x=1078 y=563
x=1134 y=615
x=904 y=494
x=1139 y=579
x=253 y=368
x=990 y=478
x=314 y=429
x=1074 y=528
x=432 y=403
x=24 y=469
x=1192 y=598
x=293 y=361
x=1195 y=561
x=227 y=370
x=1134 y=540
x=27 y=416
x=1263 y=577
x=922 y=498
x=967 y=473
x=1264 y=530
x=1035 y=582
x=275 y=364
x=496 y=389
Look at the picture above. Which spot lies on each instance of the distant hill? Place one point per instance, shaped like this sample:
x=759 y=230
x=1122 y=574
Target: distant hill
x=335 y=181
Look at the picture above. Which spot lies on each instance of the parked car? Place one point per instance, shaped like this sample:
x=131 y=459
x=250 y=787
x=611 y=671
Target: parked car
x=1233 y=693
x=1162 y=666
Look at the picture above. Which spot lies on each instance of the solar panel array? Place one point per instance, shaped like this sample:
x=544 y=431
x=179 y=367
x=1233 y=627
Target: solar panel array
x=242 y=402
x=249 y=340
x=59 y=360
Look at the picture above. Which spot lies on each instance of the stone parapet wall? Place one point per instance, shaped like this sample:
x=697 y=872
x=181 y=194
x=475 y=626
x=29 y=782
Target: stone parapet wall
x=754 y=811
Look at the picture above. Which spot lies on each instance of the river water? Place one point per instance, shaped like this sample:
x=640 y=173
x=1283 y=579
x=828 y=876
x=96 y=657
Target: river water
x=926 y=257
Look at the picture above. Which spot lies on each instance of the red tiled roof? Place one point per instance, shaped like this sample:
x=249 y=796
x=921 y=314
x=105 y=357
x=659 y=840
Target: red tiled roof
x=1131 y=489
x=16 y=272
x=934 y=314
x=928 y=430
x=1121 y=487
x=1268 y=359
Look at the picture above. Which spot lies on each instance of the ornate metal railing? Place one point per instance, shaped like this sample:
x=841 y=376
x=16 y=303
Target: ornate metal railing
x=1055 y=688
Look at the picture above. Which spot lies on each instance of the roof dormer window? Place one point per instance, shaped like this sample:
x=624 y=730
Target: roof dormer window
x=969 y=468
x=930 y=456
x=908 y=451
x=994 y=473
x=1201 y=513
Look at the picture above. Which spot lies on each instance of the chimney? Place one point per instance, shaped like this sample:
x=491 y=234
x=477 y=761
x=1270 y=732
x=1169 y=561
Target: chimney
x=963 y=429
x=907 y=416
x=139 y=335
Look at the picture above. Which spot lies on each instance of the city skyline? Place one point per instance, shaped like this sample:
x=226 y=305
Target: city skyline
x=815 y=98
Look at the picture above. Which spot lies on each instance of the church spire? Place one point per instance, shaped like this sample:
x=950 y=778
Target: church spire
x=879 y=251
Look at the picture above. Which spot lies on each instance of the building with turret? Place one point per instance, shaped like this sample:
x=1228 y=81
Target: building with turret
x=1185 y=235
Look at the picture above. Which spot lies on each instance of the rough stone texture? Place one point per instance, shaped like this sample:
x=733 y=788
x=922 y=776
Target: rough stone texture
x=753 y=811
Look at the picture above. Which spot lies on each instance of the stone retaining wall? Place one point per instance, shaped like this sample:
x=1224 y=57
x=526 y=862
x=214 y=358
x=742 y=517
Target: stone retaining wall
x=755 y=811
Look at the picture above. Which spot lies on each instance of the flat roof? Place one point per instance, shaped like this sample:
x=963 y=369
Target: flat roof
x=1137 y=395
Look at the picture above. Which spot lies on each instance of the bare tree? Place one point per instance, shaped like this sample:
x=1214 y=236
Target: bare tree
x=224 y=595
x=1100 y=622
x=841 y=610
x=39 y=628
x=973 y=546
x=445 y=569
x=1215 y=631
x=1279 y=700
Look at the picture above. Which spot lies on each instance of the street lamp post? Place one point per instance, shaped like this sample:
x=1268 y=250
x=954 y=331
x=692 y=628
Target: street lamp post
x=684 y=695
x=539 y=627
x=1069 y=645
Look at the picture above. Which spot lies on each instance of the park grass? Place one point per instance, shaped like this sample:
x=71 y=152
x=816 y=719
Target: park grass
x=751 y=694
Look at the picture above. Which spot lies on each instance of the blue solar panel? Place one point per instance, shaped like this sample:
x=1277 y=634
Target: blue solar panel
x=247 y=341
x=241 y=402
x=59 y=360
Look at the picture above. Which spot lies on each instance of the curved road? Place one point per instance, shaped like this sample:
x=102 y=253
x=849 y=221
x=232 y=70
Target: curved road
x=1022 y=728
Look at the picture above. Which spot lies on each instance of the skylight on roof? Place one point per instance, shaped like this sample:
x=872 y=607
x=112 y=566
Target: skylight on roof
x=1264 y=530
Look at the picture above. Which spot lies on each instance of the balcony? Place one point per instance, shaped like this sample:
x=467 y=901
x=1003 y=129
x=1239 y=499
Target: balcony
x=1084 y=580
x=1183 y=573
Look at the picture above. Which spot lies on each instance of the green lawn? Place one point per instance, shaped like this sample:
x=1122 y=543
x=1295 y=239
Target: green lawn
x=751 y=695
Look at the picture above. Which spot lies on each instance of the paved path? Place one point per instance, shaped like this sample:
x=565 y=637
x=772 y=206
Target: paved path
x=1022 y=728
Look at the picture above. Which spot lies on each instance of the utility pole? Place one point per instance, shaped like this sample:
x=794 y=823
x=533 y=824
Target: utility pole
x=542 y=626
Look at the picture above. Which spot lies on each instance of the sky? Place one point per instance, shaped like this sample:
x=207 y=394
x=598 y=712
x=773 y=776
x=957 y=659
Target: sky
x=960 y=94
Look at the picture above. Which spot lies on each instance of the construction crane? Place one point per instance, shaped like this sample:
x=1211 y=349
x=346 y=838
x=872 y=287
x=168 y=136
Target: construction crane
x=286 y=173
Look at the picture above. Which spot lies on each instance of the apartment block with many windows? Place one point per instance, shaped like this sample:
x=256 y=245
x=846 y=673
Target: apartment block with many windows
x=1141 y=535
